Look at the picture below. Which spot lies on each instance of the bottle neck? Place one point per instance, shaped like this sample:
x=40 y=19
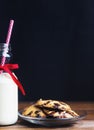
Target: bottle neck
x=5 y=51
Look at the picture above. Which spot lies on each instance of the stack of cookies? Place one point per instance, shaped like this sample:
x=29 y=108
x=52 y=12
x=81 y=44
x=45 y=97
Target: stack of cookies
x=49 y=109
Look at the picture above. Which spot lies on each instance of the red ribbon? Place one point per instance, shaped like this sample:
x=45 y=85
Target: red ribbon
x=7 y=68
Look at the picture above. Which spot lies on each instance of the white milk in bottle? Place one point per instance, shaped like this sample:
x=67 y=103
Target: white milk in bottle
x=8 y=100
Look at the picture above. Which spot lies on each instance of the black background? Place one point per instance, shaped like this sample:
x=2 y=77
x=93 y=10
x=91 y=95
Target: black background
x=53 y=43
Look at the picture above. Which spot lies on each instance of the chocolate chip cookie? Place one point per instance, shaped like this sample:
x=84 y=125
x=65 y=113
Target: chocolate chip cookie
x=52 y=104
x=33 y=111
x=49 y=109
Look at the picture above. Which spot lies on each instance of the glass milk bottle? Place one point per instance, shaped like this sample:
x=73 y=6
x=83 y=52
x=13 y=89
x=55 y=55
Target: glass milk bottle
x=8 y=92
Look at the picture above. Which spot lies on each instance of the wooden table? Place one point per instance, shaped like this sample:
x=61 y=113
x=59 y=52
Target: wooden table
x=85 y=124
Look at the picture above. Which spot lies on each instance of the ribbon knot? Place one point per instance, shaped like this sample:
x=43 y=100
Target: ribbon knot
x=7 y=68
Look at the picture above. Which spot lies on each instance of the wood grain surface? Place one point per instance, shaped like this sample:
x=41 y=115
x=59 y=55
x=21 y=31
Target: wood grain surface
x=85 y=124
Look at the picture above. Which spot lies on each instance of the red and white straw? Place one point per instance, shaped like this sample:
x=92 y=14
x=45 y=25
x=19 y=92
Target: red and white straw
x=8 y=39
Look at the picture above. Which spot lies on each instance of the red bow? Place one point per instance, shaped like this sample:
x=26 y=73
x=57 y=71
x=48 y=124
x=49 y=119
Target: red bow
x=7 y=68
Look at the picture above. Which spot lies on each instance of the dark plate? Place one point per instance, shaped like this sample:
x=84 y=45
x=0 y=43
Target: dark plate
x=54 y=121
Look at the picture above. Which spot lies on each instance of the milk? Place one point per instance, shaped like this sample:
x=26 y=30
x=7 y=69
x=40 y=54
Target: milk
x=8 y=100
